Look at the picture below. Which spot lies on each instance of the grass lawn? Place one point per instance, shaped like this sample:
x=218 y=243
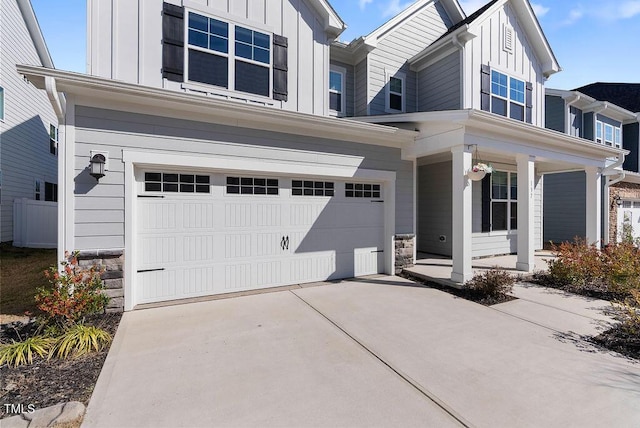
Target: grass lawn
x=21 y=272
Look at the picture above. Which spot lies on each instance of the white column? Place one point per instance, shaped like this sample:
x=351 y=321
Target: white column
x=526 y=227
x=461 y=206
x=594 y=205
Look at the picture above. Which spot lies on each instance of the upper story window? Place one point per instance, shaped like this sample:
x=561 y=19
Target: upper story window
x=53 y=139
x=1 y=103
x=336 y=91
x=228 y=55
x=395 y=102
x=507 y=96
x=608 y=134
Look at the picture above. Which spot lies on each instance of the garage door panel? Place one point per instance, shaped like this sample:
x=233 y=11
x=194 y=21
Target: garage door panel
x=269 y=244
x=199 y=216
x=238 y=215
x=157 y=251
x=156 y=216
x=199 y=247
x=237 y=245
x=312 y=267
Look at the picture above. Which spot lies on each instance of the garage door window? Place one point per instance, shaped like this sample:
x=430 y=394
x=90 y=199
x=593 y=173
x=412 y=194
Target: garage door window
x=176 y=183
x=312 y=188
x=252 y=186
x=361 y=190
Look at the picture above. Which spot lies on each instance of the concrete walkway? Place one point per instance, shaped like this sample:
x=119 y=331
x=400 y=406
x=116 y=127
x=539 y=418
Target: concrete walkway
x=377 y=352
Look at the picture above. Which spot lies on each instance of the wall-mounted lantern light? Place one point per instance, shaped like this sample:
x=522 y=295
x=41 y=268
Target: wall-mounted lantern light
x=617 y=201
x=97 y=165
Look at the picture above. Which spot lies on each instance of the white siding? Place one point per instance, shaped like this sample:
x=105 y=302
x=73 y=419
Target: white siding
x=397 y=47
x=125 y=43
x=99 y=209
x=24 y=133
x=487 y=48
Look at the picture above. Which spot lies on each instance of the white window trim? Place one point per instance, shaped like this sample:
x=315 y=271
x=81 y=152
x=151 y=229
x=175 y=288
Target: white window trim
x=508 y=201
x=2 y=103
x=599 y=126
x=230 y=91
x=403 y=77
x=617 y=137
x=508 y=97
x=343 y=75
x=608 y=142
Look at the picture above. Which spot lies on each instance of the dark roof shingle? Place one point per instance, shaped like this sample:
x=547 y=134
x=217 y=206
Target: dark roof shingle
x=625 y=95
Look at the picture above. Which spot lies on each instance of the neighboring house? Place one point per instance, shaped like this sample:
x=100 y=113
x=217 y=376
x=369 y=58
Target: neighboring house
x=227 y=168
x=608 y=115
x=28 y=124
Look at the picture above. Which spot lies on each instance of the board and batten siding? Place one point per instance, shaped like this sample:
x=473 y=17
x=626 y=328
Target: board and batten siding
x=24 y=132
x=554 y=117
x=349 y=89
x=125 y=43
x=439 y=85
x=99 y=209
x=396 y=47
x=564 y=206
x=487 y=49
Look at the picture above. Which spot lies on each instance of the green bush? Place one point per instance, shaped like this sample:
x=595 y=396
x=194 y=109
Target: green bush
x=79 y=340
x=72 y=293
x=493 y=283
x=19 y=353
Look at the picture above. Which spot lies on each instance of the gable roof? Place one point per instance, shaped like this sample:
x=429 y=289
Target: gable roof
x=625 y=95
x=333 y=24
x=465 y=31
x=35 y=32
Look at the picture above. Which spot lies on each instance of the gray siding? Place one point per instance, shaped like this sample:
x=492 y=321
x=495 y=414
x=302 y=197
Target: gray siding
x=24 y=133
x=608 y=120
x=361 y=88
x=397 y=47
x=99 y=210
x=575 y=122
x=564 y=206
x=588 y=126
x=439 y=85
x=554 y=113
x=434 y=208
x=349 y=90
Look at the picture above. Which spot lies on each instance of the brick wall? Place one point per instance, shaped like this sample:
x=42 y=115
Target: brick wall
x=624 y=191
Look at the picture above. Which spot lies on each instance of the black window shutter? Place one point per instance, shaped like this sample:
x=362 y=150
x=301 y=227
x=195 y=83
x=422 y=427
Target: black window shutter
x=486 y=203
x=485 y=88
x=529 y=103
x=173 y=42
x=280 y=68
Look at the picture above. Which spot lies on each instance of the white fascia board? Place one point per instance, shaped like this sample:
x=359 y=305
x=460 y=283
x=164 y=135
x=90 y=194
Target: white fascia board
x=441 y=48
x=334 y=25
x=380 y=32
x=35 y=32
x=631 y=177
x=96 y=91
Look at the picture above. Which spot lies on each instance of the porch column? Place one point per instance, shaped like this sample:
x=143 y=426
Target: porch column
x=594 y=205
x=526 y=226
x=461 y=215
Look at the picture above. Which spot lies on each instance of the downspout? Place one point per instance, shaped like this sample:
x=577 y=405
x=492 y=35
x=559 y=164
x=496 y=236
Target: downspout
x=59 y=108
x=609 y=173
x=567 y=113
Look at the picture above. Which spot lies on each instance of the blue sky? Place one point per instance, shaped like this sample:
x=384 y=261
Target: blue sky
x=594 y=40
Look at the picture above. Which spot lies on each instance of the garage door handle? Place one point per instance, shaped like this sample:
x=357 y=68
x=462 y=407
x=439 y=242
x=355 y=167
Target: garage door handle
x=150 y=270
x=150 y=196
x=377 y=202
x=284 y=243
x=378 y=251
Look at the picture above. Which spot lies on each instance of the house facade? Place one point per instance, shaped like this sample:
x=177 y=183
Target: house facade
x=245 y=147
x=28 y=123
x=601 y=120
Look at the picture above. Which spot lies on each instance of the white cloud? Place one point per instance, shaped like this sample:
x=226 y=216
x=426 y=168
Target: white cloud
x=539 y=9
x=363 y=3
x=395 y=7
x=574 y=16
x=470 y=6
x=629 y=9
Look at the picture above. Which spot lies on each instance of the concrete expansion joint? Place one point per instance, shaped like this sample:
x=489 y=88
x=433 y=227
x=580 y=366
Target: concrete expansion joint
x=417 y=386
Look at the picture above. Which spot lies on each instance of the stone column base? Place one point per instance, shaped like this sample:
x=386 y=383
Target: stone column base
x=113 y=276
x=404 y=247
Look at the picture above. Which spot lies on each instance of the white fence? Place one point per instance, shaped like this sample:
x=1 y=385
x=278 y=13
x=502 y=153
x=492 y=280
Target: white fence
x=35 y=223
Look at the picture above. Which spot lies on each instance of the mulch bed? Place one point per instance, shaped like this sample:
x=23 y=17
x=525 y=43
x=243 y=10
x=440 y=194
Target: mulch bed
x=619 y=340
x=48 y=382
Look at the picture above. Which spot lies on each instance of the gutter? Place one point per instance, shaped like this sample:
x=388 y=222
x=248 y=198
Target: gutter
x=59 y=106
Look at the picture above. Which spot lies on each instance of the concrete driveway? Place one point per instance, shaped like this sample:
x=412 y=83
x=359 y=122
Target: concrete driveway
x=378 y=352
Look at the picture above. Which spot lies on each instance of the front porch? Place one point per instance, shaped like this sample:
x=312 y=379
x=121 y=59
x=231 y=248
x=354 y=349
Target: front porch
x=438 y=269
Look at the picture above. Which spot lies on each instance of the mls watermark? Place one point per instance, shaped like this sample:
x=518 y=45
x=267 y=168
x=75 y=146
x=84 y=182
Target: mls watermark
x=15 y=409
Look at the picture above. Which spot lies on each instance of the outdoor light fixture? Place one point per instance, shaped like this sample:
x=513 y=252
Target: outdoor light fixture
x=97 y=165
x=617 y=200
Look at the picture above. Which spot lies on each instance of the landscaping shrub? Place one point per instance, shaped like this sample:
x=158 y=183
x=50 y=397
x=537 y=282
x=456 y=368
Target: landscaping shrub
x=581 y=267
x=79 y=340
x=630 y=314
x=19 y=353
x=494 y=283
x=72 y=293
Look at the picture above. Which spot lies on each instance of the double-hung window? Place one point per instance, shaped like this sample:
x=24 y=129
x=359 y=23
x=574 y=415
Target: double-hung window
x=336 y=91
x=617 y=138
x=598 y=132
x=504 y=201
x=395 y=93
x=608 y=134
x=507 y=96
x=228 y=55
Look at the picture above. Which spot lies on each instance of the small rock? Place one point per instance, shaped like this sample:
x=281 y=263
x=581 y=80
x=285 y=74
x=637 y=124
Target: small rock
x=10 y=387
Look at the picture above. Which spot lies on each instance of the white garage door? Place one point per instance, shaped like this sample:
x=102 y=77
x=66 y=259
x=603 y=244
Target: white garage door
x=203 y=234
x=629 y=219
